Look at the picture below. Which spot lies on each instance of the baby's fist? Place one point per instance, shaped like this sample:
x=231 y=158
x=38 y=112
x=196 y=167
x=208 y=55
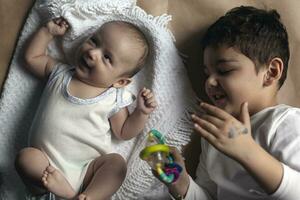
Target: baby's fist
x=146 y=101
x=57 y=26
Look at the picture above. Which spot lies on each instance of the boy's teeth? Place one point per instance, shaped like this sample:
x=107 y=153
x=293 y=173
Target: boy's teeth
x=218 y=96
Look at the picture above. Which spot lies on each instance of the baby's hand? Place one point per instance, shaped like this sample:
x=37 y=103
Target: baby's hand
x=57 y=26
x=146 y=102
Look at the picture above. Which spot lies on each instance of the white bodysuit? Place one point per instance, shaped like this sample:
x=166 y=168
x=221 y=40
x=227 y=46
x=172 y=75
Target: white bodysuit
x=73 y=131
x=277 y=130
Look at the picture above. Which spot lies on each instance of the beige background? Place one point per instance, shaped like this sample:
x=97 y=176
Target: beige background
x=190 y=19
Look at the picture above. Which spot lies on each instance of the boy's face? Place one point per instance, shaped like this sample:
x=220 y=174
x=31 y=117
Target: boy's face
x=104 y=58
x=232 y=80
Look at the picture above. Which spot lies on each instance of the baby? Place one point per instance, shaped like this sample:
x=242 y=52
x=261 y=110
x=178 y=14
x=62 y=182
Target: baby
x=70 y=151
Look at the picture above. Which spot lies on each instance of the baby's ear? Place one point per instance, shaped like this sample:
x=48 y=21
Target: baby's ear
x=273 y=72
x=122 y=82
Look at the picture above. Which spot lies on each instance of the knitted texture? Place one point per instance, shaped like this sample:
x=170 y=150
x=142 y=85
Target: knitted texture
x=164 y=73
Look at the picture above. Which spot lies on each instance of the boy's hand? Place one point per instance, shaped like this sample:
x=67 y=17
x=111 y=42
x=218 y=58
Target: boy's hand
x=146 y=102
x=57 y=27
x=180 y=187
x=224 y=132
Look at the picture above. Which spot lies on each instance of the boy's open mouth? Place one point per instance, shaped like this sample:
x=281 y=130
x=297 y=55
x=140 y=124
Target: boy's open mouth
x=218 y=99
x=218 y=96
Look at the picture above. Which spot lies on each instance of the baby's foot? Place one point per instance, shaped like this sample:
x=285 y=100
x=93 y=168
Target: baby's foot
x=56 y=183
x=82 y=197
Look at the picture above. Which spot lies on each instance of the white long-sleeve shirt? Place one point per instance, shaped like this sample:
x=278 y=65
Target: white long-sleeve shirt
x=277 y=130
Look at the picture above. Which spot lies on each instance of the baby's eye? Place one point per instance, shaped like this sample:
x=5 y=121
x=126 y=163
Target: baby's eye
x=93 y=41
x=107 y=57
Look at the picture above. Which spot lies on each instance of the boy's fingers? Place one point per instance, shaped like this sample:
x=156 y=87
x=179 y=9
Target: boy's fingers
x=208 y=127
x=206 y=135
x=215 y=121
x=176 y=155
x=244 y=115
x=214 y=111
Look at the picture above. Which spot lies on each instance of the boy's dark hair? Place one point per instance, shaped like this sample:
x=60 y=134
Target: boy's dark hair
x=257 y=33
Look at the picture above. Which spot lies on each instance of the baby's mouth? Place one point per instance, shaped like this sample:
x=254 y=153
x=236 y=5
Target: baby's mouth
x=83 y=63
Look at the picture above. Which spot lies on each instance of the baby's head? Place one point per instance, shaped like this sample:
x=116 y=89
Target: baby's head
x=112 y=55
x=246 y=54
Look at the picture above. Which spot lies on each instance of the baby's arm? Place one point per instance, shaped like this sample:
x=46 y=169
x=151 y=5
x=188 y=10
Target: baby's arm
x=38 y=62
x=127 y=126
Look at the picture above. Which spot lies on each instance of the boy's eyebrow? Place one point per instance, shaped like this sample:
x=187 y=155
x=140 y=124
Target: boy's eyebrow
x=224 y=60
x=220 y=61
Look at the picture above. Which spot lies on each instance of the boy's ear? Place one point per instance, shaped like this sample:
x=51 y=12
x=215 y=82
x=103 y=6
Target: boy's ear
x=122 y=82
x=273 y=72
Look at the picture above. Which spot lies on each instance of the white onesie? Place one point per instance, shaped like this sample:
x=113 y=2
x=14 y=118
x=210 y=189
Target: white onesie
x=73 y=131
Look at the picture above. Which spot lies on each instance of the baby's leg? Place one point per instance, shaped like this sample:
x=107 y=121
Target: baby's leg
x=39 y=177
x=104 y=177
x=56 y=183
x=30 y=164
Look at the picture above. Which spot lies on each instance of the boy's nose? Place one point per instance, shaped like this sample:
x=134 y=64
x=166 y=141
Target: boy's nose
x=211 y=81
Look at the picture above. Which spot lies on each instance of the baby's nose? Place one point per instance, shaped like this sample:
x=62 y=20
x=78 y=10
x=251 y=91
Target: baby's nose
x=94 y=54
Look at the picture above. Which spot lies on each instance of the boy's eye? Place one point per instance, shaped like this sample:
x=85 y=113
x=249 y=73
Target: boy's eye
x=225 y=72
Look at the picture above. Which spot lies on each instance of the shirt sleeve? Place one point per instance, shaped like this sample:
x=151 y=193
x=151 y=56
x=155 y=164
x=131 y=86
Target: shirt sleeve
x=195 y=192
x=289 y=186
x=286 y=148
x=123 y=99
x=203 y=188
x=58 y=69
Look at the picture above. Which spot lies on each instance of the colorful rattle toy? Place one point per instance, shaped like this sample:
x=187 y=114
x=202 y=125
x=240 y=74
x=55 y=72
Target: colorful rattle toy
x=157 y=155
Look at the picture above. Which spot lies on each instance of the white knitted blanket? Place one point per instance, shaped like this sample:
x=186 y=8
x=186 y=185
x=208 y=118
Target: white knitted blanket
x=164 y=73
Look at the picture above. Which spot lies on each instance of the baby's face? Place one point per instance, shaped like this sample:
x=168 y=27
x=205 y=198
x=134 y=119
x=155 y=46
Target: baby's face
x=105 y=57
x=232 y=80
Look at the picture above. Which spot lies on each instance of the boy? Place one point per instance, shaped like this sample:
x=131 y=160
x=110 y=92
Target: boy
x=70 y=151
x=252 y=145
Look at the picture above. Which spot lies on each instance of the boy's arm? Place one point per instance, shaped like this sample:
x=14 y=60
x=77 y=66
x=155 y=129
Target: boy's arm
x=185 y=187
x=233 y=138
x=38 y=62
x=126 y=126
x=263 y=167
x=285 y=144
